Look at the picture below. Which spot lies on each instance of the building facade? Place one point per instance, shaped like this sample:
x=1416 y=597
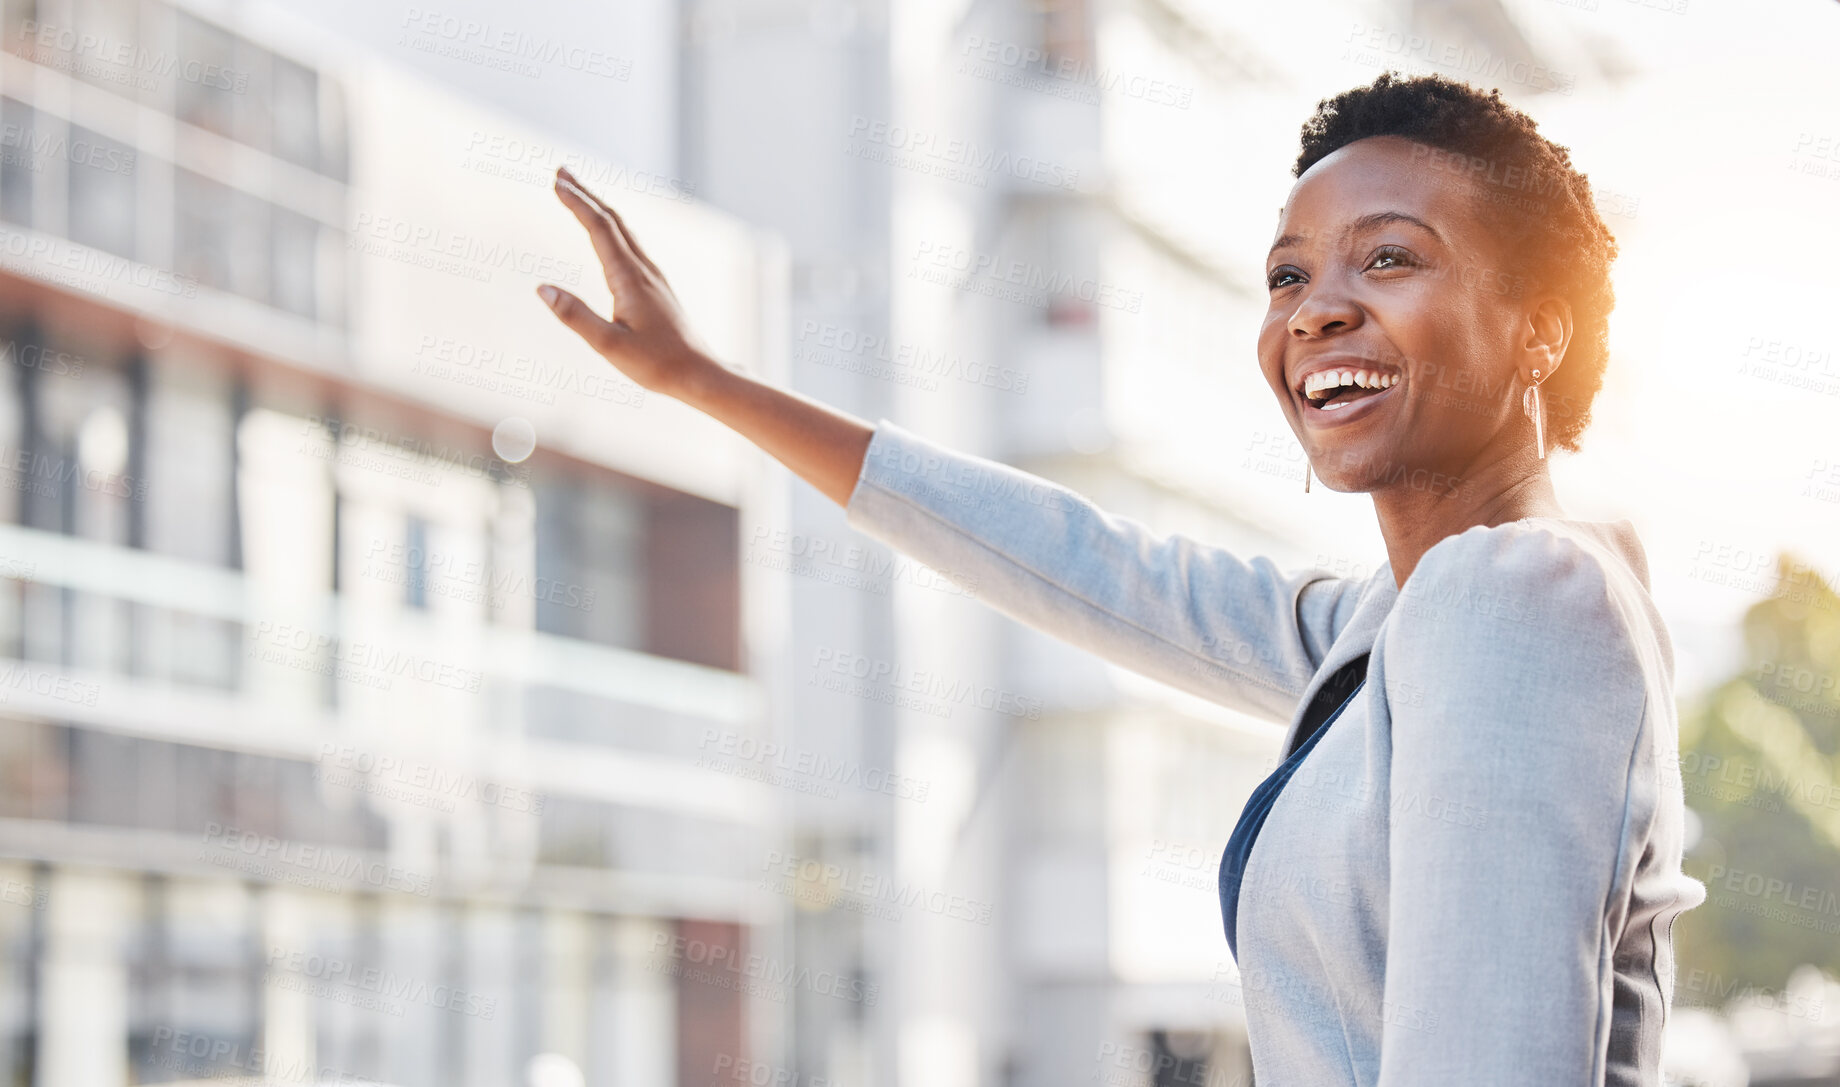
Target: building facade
x=358 y=657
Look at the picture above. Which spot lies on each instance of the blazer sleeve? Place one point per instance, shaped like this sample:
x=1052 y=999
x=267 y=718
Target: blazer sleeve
x=1239 y=632
x=1514 y=807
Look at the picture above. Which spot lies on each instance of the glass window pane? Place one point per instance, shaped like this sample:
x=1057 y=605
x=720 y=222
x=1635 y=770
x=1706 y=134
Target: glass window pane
x=590 y=543
x=12 y=25
x=110 y=33
x=201 y=246
x=252 y=247
x=223 y=236
x=104 y=778
x=34 y=771
x=415 y=542
x=330 y=271
x=188 y=453
x=296 y=270
x=248 y=84
x=332 y=146
x=692 y=580
x=102 y=192
x=195 y=973
x=296 y=113
x=18 y=164
x=204 y=47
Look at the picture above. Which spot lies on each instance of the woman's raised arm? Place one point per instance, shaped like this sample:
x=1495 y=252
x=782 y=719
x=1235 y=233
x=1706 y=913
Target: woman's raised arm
x=1240 y=632
x=649 y=341
x=1199 y=618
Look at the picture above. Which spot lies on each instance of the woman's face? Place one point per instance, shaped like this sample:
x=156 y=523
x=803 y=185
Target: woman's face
x=1384 y=263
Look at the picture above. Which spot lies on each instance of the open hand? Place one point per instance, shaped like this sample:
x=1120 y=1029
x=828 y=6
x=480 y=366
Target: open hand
x=647 y=338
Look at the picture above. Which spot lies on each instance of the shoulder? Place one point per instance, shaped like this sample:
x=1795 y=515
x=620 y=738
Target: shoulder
x=1526 y=631
x=1519 y=547
x=1513 y=598
x=1521 y=571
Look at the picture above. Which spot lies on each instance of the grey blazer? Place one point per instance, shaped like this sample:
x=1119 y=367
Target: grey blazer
x=1473 y=876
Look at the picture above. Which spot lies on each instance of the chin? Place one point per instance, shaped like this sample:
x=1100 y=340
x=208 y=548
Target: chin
x=1342 y=486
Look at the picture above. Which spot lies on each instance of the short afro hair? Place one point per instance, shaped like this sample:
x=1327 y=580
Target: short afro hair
x=1543 y=206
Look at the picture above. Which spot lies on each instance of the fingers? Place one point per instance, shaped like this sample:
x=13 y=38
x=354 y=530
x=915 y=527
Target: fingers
x=601 y=334
x=606 y=209
x=609 y=244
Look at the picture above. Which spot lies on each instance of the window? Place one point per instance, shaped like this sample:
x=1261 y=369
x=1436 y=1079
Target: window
x=252 y=240
x=1065 y=35
x=295 y=95
x=102 y=192
x=17 y=161
x=415 y=545
x=112 y=33
x=248 y=80
x=205 y=48
x=693 y=580
x=296 y=254
x=225 y=237
x=195 y=971
x=202 y=229
x=333 y=152
x=27 y=891
x=638 y=566
x=18 y=13
x=589 y=562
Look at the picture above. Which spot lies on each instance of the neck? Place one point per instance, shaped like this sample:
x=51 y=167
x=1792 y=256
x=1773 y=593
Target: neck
x=1413 y=520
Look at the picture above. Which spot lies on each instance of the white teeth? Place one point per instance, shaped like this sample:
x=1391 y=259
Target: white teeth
x=1326 y=380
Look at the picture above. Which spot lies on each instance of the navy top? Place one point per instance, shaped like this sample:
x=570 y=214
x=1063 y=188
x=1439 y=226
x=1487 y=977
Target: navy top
x=1239 y=847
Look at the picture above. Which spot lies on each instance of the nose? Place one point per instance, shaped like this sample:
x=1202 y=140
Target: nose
x=1323 y=311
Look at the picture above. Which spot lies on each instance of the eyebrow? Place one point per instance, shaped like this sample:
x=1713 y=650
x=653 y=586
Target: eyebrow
x=1365 y=222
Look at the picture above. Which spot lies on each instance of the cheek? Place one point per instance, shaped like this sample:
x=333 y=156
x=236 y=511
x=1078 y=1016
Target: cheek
x=1484 y=330
x=1426 y=318
x=1442 y=334
x=1271 y=351
x=1462 y=345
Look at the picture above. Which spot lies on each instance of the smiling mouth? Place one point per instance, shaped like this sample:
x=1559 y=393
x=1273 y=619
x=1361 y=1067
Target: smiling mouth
x=1333 y=390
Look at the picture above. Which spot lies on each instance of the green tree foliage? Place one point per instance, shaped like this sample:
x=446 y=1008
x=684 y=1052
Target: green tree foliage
x=1760 y=767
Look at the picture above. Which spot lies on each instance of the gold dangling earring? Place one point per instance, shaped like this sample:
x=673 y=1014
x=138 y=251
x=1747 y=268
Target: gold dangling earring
x=1306 y=475
x=1530 y=403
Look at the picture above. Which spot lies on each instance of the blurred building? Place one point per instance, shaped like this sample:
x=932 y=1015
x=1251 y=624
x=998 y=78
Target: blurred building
x=342 y=735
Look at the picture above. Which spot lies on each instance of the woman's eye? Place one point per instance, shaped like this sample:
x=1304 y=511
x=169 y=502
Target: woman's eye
x=1399 y=258
x=1278 y=276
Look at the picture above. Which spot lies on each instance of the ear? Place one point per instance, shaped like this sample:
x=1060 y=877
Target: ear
x=1546 y=333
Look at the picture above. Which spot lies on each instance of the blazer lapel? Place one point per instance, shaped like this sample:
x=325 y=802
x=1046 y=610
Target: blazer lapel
x=1376 y=600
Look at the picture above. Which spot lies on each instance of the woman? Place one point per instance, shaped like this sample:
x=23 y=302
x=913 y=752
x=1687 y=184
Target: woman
x=1468 y=863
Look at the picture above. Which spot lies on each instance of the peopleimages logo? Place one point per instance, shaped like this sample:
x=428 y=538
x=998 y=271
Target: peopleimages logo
x=870 y=887
x=66 y=49
x=384 y=984
x=280 y=859
x=282 y=643
x=61 y=261
x=751 y=973
x=823 y=769
x=885 y=680
x=1063 y=75
x=507 y=48
x=413 y=774
x=933 y=149
x=30 y=149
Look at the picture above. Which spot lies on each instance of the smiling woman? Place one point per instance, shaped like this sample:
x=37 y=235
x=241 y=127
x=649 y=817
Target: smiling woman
x=1466 y=867
x=1435 y=238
